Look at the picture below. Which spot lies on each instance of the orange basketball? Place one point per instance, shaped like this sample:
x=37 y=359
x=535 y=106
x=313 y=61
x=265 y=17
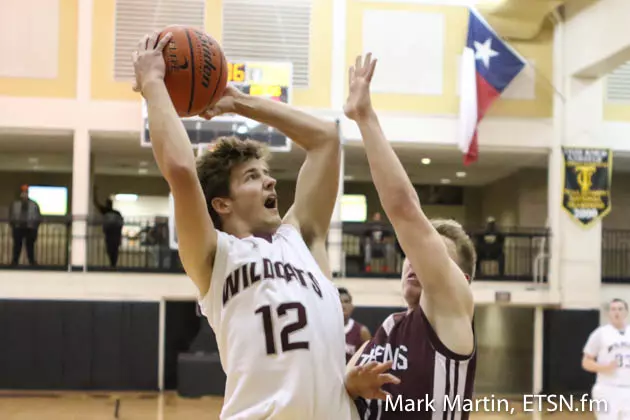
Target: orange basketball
x=196 y=70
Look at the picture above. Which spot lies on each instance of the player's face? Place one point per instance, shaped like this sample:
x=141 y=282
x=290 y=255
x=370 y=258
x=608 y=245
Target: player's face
x=253 y=196
x=346 y=305
x=412 y=288
x=411 y=285
x=617 y=312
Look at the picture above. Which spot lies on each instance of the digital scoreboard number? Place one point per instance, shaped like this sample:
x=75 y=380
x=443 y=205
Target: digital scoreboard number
x=266 y=79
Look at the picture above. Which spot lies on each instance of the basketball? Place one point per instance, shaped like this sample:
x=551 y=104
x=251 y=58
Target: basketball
x=196 y=70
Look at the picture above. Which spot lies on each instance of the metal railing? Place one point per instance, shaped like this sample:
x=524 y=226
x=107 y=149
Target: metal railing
x=142 y=245
x=523 y=256
x=50 y=243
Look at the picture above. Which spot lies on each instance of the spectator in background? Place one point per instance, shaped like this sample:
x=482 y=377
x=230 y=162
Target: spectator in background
x=490 y=247
x=158 y=239
x=356 y=333
x=24 y=217
x=379 y=245
x=112 y=227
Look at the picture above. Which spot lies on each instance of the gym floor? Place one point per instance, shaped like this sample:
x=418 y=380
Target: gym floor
x=168 y=406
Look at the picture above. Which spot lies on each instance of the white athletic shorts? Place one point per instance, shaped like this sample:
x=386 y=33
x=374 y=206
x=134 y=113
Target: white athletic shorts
x=617 y=402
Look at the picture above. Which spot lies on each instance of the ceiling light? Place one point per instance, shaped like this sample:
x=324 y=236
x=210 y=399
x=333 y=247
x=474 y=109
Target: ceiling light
x=144 y=163
x=348 y=177
x=460 y=174
x=33 y=160
x=143 y=171
x=425 y=161
x=445 y=181
x=126 y=197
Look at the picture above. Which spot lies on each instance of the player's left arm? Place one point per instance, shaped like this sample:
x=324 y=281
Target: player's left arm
x=318 y=179
x=446 y=298
x=365 y=334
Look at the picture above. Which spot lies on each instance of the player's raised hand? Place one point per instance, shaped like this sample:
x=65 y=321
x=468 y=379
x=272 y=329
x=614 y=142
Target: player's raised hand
x=358 y=104
x=367 y=381
x=148 y=62
x=225 y=105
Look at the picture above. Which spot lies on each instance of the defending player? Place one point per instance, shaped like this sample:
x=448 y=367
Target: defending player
x=356 y=333
x=262 y=281
x=607 y=353
x=432 y=345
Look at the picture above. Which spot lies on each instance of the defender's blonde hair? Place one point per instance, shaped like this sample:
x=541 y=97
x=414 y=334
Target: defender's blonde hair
x=465 y=249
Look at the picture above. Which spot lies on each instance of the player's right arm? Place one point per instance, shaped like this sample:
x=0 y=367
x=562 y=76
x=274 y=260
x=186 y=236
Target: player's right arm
x=589 y=358
x=197 y=238
x=446 y=298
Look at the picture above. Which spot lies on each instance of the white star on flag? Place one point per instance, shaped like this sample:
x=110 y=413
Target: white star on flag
x=484 y=52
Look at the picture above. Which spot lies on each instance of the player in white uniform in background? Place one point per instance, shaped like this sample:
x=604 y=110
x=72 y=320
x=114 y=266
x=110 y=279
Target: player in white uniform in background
x=607 y=353
x=263 y=281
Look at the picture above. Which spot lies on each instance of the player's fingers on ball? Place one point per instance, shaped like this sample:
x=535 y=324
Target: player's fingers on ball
x=142 y=44
x=351 y=73
x=162 y=43
x=152 y=42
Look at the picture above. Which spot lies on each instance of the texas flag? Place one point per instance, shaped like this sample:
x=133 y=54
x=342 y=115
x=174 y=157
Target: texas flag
x=488 y=66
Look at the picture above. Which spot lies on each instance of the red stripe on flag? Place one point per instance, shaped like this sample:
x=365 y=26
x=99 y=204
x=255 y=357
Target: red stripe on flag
x=486 y=95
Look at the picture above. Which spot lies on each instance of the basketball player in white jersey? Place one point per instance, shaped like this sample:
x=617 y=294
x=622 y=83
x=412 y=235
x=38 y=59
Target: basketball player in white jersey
x=432 y=344
x=263 y=280
x=607 y=354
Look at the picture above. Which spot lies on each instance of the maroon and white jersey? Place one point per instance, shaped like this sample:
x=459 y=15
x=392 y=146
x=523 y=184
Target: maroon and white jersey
x=353 y=338
x=434 y=381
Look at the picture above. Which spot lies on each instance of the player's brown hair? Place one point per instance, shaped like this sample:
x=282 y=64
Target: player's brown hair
x=467 y=256
x=214 y=168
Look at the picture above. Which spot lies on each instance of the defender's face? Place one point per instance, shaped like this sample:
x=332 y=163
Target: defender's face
x=346 y=305
x=253 y=196
x=412 y=288
x=617 y=313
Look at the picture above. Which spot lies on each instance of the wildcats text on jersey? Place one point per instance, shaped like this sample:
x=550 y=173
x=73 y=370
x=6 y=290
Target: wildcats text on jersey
x=251 y=273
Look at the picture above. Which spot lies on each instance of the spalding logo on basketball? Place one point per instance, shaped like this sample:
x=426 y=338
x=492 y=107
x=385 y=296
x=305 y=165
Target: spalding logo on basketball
x=196 y=70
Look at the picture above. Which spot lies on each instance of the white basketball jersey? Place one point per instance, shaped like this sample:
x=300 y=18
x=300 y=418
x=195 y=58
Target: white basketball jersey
x=279 y=328
x=608 y=344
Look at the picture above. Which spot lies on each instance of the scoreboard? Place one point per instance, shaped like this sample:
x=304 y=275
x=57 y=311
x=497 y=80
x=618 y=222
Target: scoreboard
x=268 y=79
x=272 y=80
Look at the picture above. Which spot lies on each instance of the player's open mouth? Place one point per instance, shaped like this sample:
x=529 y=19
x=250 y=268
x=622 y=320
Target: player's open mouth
x=271 y=201
x=412 y=279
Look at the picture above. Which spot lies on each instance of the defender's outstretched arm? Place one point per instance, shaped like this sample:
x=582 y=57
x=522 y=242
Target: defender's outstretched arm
x=173 y=153
x=446 y=294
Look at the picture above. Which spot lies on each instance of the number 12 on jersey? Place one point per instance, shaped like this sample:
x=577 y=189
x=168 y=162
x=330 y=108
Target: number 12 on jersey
x=268 y=326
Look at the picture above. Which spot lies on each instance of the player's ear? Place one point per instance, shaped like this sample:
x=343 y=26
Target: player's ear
x=221 y=205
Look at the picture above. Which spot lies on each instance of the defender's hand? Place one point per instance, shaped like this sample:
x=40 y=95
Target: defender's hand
x=358 y=104
x=148 y=62
x=225 y=105
x=366 y=381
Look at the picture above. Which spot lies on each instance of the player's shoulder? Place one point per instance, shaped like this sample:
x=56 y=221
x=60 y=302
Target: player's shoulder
x=392 y=320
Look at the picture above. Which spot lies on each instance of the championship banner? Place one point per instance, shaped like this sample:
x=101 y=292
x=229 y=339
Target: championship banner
x=271 y=80
x=587 y=181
